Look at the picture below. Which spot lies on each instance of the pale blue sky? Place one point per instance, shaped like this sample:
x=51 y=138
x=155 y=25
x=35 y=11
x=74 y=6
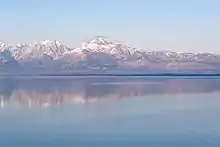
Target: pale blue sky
x=178 y=25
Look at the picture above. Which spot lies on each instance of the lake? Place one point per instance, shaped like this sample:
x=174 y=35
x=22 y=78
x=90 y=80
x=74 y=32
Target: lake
x=110 y=111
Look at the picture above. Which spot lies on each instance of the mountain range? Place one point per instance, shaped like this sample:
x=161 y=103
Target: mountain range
x=100 y=55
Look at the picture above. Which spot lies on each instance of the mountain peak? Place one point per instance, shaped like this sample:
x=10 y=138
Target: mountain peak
x=48 y=42
x=2 y=46
x=100 y=40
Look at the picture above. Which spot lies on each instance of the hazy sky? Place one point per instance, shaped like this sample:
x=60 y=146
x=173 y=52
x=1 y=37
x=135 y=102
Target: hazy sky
x=178 y=25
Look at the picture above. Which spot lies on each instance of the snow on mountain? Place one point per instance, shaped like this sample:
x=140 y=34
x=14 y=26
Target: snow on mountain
x=51 y=49
x=102 y=53
x=107 y=46
x=2 y=46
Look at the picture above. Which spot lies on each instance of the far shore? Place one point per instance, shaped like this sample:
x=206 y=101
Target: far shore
x=193 y=75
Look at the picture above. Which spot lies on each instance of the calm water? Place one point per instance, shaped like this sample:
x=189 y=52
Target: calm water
x=50 y=112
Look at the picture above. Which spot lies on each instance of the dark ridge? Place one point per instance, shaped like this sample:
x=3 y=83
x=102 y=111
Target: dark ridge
x=114 y=75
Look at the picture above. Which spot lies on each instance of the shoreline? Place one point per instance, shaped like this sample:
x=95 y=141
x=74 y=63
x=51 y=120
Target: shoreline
x=111 y=75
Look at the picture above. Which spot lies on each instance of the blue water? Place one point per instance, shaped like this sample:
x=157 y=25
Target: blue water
x=110 y=112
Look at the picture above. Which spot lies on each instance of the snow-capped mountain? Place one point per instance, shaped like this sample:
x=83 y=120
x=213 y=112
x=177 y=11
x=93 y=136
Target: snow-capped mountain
x=102 y=53
x=52 y=49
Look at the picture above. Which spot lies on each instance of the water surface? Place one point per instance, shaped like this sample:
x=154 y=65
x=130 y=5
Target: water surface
x=49 y=112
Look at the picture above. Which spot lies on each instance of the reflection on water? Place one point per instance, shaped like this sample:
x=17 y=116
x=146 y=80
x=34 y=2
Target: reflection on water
x=109 y=112
x=51 y=92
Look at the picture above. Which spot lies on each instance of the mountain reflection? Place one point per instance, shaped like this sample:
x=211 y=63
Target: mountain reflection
x=51 y=92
